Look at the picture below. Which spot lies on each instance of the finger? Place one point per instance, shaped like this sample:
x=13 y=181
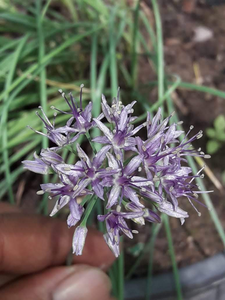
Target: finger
x=8 y=208
x=61 y=283
x=30 y=243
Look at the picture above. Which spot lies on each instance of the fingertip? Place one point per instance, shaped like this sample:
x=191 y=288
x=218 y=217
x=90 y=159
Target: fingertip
x=85 y=283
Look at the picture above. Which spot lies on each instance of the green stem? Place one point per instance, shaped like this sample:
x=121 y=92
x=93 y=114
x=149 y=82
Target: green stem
x=173 y=258
x=90 y=142
x=121 y=274
x=160 y=58
x=88 y=210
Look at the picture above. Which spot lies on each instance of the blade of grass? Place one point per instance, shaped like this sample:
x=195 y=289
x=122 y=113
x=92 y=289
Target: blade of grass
x=192 y=86
x=21 y=153
x=149 y=247
x=42 y=85
x=98 y=5
x=44 y=10
x=155 y=230
x=5 y=118
x=47 y=58
x=112 y=51
x=134 y=65
x=120 y=268
x=173 y=257
x=149 y=29
x=202 y=88
x=160 y=59
x=160 y=102
x=160 y=73
x=71 y=8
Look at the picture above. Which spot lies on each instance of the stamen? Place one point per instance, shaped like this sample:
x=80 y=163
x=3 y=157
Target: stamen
x=67 y=169
x=41 y=192
x=118 y=208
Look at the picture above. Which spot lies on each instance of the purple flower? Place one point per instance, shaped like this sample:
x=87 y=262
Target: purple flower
x=37 y=165
x=116 y=225
x=89 y=172
x=124 y=184
x=154 y=173
x=42 y=163
x=148 y=215
x=52 y=134
x=79 y=239
x=122 y=135
x=168 y=208
x=67 y=195
x=113 y=113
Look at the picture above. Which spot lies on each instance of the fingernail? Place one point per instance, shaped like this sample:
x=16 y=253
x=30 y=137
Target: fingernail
x=81 y=285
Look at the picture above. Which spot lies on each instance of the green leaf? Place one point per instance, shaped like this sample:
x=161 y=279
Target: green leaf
x=210 y=133
x=136 y=249
x=212 y=146
x=219 y=123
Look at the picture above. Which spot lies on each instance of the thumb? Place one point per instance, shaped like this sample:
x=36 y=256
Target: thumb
x=79 y=282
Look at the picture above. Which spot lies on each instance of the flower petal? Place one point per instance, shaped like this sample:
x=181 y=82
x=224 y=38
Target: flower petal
x=130 y=194
x=100 y=156
x=112 y=161
x=114 y=195
x=104 y=129
x=132 y=165
x=76 y=212
x=60 y=203
x=167 y=208
x=83 y=156
x=79 y=239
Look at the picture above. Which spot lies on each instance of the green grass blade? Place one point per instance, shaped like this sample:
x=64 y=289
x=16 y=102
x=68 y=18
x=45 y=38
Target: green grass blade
x=149 y=248
x=120 y=272
x=21 y=153
x=47 y=58
x=149 y=29
x=173 y=257
x=44 y=10
x=160 y=72
x=134 y=66
x=155 y=230
x=98 y=5
x=71 y=8
x=112 y=51
x=42 y=86
x=160 y=56
x=202 y=88
x=5 y=118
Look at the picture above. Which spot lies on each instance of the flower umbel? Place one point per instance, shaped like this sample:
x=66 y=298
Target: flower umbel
x=136 y=175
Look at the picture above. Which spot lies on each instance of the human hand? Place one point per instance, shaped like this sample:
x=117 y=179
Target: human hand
x=33 y=250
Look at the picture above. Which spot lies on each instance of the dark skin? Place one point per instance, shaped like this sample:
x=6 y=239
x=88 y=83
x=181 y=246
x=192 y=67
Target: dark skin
x=33 y=251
